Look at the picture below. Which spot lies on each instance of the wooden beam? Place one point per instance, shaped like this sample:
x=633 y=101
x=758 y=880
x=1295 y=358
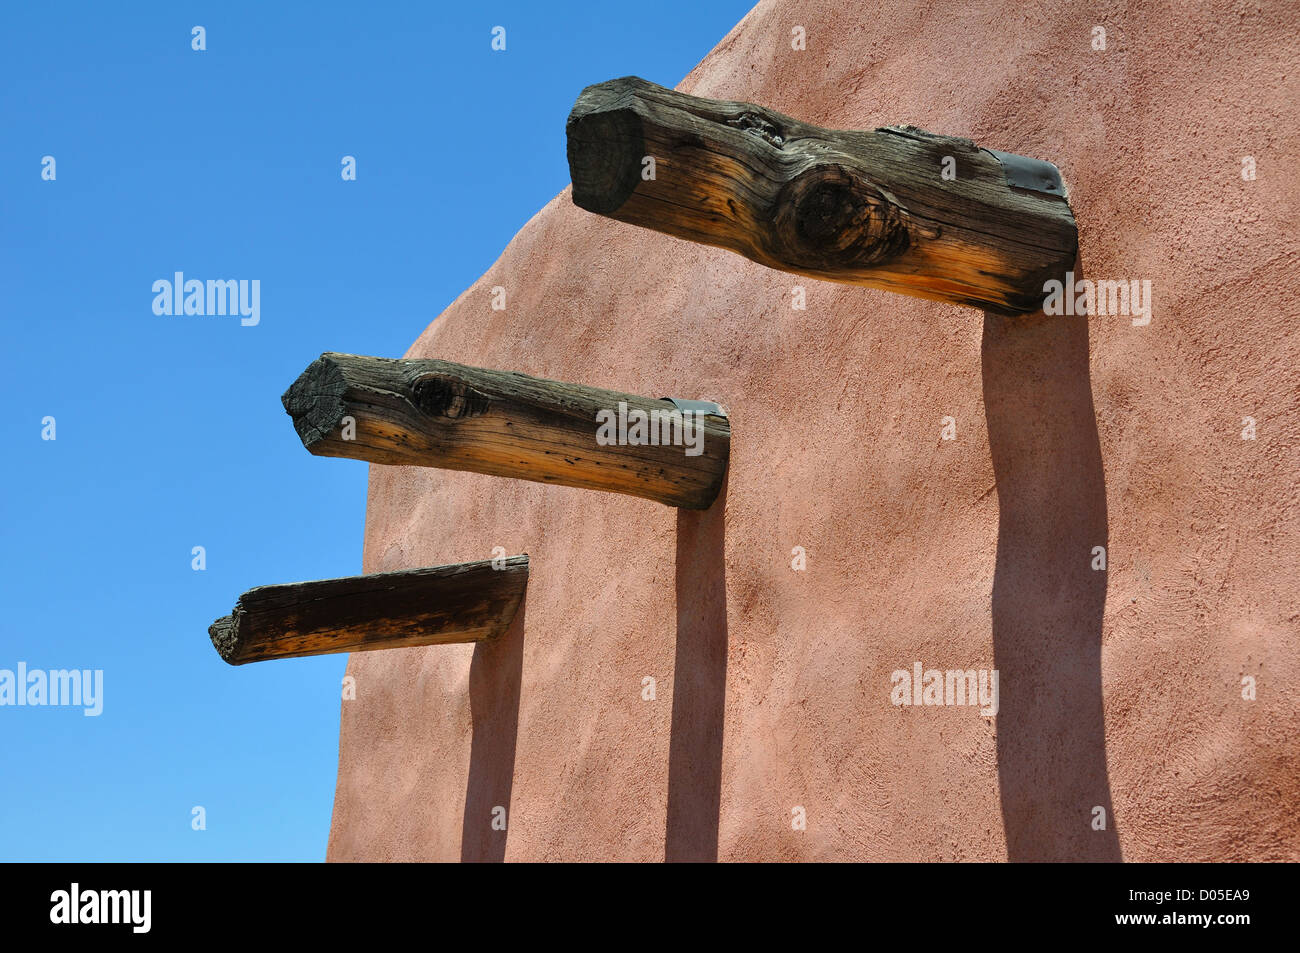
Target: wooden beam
x=438 y=414
x=871 y=208
x=465 y=602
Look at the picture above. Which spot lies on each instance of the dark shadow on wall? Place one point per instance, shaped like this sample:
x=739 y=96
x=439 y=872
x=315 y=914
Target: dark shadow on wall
x=699 y=686
x=495 y=674
x=1048 y=602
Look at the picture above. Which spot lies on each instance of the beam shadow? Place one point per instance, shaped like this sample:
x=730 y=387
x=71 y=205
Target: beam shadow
x=495 y=674
x=699 y=686
x=1048 y=602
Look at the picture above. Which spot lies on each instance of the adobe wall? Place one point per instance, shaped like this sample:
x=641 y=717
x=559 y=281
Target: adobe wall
x=1120 y=689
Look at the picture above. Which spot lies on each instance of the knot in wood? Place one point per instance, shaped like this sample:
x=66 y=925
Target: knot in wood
x=439 y=396
x=829 y=217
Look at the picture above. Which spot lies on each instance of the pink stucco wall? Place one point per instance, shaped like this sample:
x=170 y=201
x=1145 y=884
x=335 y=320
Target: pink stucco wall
x=1120 y=689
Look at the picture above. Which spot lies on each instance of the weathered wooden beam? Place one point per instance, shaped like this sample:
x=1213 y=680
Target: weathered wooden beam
x=872 y=208
x=465 y=602
x=438 y=414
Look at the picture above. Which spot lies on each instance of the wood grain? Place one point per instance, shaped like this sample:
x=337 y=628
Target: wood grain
x=465 y=602
x=439 y=414
x=870 y=208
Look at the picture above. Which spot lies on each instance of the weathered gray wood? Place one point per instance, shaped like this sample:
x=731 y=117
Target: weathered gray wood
x=465 y=602
x=870 y=208
x=439 y=414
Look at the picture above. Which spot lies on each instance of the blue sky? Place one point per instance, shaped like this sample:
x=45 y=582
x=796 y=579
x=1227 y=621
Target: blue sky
x=169 y=432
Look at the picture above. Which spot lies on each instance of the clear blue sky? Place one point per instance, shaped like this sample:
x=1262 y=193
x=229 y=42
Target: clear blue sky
x=169 y=431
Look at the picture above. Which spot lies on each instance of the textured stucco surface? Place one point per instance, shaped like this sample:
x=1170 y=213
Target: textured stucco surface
x=1120 y=689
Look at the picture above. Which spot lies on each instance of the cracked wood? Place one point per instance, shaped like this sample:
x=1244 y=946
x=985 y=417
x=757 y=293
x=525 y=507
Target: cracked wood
x=869 y=208
x=465 y=602
x=438 y=414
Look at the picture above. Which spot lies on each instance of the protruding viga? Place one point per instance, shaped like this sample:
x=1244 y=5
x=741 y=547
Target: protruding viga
x=464 y=602
x=438 y=414
x=894 y=208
